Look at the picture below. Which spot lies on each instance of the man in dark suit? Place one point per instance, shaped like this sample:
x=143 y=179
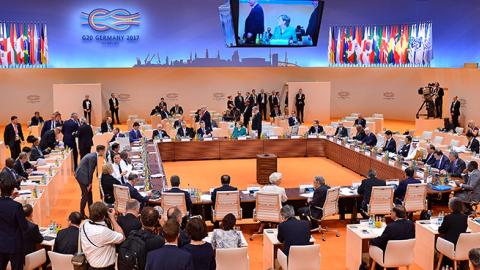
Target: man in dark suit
x=439 y=101
x=87 y=109
x=300 y=104
x=66 y=241
x=399 y=194
x=13 y=137
x=318 y=200
x=257 y=121
x=85 y=138
x=51 y=124
x=70 y=132
x=454 y=223
x=106 y=125
x=390 y=144
x=160 y=132
x=164 y=112
x=254 y=24
x=36 y=120
x=134 y=194
x=370 y=138
x=365 y=189
x=130 y=221
x=177 y=109
x=32 y=236
x=441 y=161
x=262 y=103
x=239 y=101
x=247 y=113
x=316 y=128
x=175 y=214
x=175 y=184
x=406 y=147
x=360 y=121
x=225 y=180
x=113 y=104
x=203 y=131
x=292 y=232
x=456 y=165
x=162 y=103
x=473 y=144
x=116 y=134
x=293 y=120
x=312 y=28
x=8 y=172
x=49 y=139
x=21 y=165
x=12 y=226
x=341 y=131
x=430 y=159
x=36 y=150
x=135 y=135
x=455 y=111
x=205 y=117
x=170 y=257
x=253 y=98
x=400 y=229
x=184 y=131
x=84 y=176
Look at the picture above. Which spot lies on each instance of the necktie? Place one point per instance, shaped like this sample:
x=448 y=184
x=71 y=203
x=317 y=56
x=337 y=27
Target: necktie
x=53 y=124
x=121 y=176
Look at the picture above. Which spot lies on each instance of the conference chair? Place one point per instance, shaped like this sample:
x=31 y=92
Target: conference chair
x=227 y=202
x=427 y=135
x=454 y=143
x=381 y=201
x=267 y=210
x=377 y=115
x=459 y=252
x=170 y=200
x=35 y=259
x=122 y=195
x=330 y=208
x=380 y=140
x=232 y=258
x=459 y=130
x=60 y=261
x=437 y=140
x=415 y=198
x=399 y=253
x=300 y=258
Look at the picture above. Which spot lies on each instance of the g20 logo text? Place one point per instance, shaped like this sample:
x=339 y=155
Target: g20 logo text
x=101 y=19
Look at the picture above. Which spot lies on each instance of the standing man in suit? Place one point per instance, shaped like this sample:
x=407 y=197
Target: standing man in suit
x=36 y=120
x=273 y=101
x=365 y=189
x=254 y=24
x=205 y=117
x=473 y=144
x=456 y=165
x=12 y=226
x=401 y=190
x=341 y=131
x=471 y=187
x=87 y=109
x=390 y=144
x=225 y=180
x=84 y=176
x=262 y=104
x=175 y=184
x=13 y=137
x=49 y=124
x=66 y=241
x=292 y=232
x=300 y=104
x=455 y=112
x=247 y=113
x=113 y=103
x=400 y=229
x=317 y=201
x=313 y=21
x=239 y=101
x=257 y=121
x=162 y=103
x=70 y=132
x=85 y=138
x=439 y=100
x=253 y=98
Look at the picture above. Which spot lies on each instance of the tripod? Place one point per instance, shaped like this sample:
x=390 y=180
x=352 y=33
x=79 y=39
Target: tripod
x=428 y=103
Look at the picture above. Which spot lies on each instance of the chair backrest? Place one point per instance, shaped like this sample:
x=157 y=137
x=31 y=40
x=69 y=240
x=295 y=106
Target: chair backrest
x=35 y=259
x=60 y=261
x=267 y=207
x=232 y=258
x=459 y=130
x=170 y=199
x=381 y=200
x=227 y=202
x=380 y=140
x=454 y=143
x=304 y=257
x=465 y=243
x=437 y=140
x=122 y=195
x=427 y=135
x=415 y=197
x=399 y=253
x=330 y=207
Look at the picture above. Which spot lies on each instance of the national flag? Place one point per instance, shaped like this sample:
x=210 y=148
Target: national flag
x=44 y=45
x=428 y=51
x=384 y=47
x=3 y=55
x=31 y=38
x=18 y=43
x=38 y=54
x=339 y=43
x=26 y=44
x=331 y=46
x=420 y=45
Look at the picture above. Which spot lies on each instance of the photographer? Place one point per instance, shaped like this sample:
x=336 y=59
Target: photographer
x=98 y=240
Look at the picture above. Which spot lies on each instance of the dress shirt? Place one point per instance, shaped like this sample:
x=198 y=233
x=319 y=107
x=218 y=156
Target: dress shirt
x=275 y=189
x=100 y=249
x=118 y=169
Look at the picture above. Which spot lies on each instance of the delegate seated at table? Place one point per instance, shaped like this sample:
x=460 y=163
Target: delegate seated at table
x=239 y=130
x=400 y=229
x=401 y=190
x=473 y=144
x=107 y=181
x=275 y=180
x=203 y=131
x=414 y=153
x=316 y=128
x=66 y=241
x=341 y=131
x=456 y=165
x=360 y=135
x=175 y=184
x=441 y=161
x=370 y=138
x=430 y=159
x=316 y=202
x=185 y=132
x=390 y=143
x=405 y=149
x=365 y=189
x=291 y=231
x=454 y=223
x=134 y=194
x=284 y=31
x=160 y=133
x=471 y=186
x=135 y=135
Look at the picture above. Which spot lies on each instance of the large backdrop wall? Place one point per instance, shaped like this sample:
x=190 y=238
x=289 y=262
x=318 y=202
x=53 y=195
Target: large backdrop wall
x=391 y=91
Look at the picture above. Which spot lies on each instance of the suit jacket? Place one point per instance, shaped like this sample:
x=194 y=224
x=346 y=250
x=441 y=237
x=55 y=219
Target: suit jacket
x=402 y=229
x=48 y=126
x=273 y=101
x=207 y=119
x=9 y=134
x=161 y=134
x=69 y=130
x=257 y=123
x=20 y=169
x=341 y=132
x=300 y=100
x=36 y=153
x=10 y=175
x=174 y=110
x=87 y=106
x=315 y=130
x=36 y=121
x=292 y=121
x=455 y=108
x=169 y=257
x=247 y=114
x=49 y=140
x=404 y=150
x=188 y=132
x=262 y=102
x=31 y=238
x=134 y=135
x=164 y=114
x=104 y=127
x=107 y=181
x=430 y=160
x=452 y=226
x=86 y=168
x=312 y=27
x=472 y=186
x=85 y=137
x=370 y=140
x=66 y=241
x=239 y=103
x=134 y=194
x=318 y=200
x=360 y=136
x=473 y=145
x=456 y=168
x=254 y=23
x=12 y=226
x=222 y=188
x=390 y=146
x=114 y=137
x=366 y=186
x=401 y=190
x=442 y=164
x=188 y=200
x=293 y=232
x=361 y=121
x=112 y=102
x=203 y=132
x=129 y=223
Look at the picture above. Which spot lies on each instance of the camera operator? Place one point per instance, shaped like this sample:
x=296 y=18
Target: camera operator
x=438 y=99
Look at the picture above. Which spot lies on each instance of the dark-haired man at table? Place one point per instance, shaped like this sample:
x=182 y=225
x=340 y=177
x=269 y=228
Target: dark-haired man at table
x=316 y=128
x=341 y=131
x=185 y=132
x=66 y=241
x=441 y=161
x=401 y=190
x=406 y=147
x=225 y=180
x=430 y=160
x=175 y=184
x=473 y=144
x=135 y=135
x=390 y=144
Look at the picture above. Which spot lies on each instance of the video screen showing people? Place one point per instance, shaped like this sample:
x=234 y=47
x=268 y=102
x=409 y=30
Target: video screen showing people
x=279 y=22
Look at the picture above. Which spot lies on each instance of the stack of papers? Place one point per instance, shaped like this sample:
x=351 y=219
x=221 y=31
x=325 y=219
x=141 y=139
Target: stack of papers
x=307 y=195
x=347 y=192
x=206 y=197
x=157 y=175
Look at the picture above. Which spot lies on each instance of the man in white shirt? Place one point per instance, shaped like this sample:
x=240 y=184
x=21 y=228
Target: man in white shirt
x=274 y=187
x=98 y=241
x=121 y=171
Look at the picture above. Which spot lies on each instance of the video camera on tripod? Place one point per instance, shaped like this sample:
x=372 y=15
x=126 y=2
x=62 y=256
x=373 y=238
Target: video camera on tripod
x=429 y=94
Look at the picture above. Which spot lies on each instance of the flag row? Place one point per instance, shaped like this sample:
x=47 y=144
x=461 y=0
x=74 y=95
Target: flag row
x=23 y=44
x=398 y=45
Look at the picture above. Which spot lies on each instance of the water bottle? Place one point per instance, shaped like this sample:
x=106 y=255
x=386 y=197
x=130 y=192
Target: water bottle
x=440 y=218
x=370 y=222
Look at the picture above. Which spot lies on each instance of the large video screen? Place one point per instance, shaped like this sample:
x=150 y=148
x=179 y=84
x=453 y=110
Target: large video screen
x=271 y=23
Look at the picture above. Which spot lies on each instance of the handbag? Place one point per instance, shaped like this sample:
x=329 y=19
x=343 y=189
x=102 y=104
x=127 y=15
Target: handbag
x=79 y=260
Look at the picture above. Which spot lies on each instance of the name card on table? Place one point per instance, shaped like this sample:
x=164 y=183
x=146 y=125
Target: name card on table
x=331 y=139
x=185 y=140
x=339 y=141
x=367 y=153
x=273 y=137
x=167 y=140
x=420 y=174
x=357 y=149
x=295 y=137
x=347 y=145
x=208 y=139
x=312 y=136
x=391 y=163
x=242 y=138
x=322 y=137
x=379 y=158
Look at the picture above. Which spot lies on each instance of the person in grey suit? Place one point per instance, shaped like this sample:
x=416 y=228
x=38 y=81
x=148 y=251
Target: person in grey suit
x=471 y=188
x=84 y=176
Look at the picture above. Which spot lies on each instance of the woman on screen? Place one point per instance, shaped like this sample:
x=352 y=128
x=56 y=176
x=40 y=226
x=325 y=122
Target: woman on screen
x=284 y=31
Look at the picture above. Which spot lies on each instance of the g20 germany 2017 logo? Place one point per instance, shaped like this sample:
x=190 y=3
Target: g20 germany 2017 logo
x=101 y=19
